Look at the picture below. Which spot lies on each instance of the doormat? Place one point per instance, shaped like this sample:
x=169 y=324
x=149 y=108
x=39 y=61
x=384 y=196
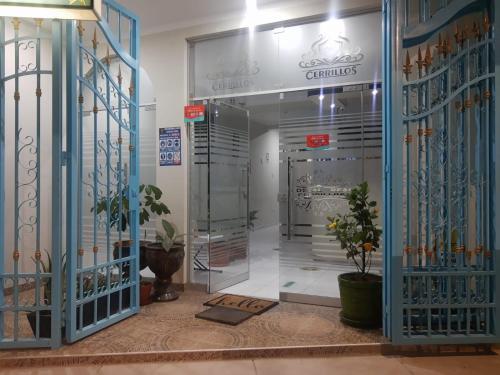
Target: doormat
x=251 y=305
x=224 y=315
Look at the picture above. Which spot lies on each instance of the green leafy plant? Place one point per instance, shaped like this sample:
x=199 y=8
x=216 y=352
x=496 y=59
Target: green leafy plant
x=47 y=268
x=356 y=231
x=149 y=203
x=168 y=237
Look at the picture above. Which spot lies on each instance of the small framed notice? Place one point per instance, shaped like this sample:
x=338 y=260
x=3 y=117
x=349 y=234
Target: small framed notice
x=194 y=113
x=315 y=141
x=170 y=147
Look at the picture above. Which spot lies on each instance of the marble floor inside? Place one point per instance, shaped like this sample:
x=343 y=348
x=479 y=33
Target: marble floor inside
x=269 y=276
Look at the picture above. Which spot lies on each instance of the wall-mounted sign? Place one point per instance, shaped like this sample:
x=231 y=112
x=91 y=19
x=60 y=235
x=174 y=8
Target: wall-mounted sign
x=170 y=147
x=194 y=113
x=54 y=9
x=318 y=140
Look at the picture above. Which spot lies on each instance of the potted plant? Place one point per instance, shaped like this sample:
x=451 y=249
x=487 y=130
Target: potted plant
x=45 y=316
x=149 y=204
x=165 y=258
x=361 y=291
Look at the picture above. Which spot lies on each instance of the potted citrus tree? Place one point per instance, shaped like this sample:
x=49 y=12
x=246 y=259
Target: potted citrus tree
x=359 y=236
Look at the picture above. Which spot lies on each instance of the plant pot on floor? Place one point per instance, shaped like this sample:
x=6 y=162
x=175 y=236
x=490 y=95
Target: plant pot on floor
x=45 y=328
x=125 y=246
x=146 y=289
x=164 y=264
x=45 y=323
x=361 y=298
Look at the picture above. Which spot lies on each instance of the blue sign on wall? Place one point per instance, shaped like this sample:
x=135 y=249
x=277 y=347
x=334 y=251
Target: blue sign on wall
x=170 y=147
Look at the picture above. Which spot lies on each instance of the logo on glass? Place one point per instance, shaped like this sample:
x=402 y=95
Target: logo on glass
x=330 y=58
x=234 y=75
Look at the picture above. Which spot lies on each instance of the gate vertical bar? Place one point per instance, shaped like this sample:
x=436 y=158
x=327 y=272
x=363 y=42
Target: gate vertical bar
x=495 y=157
x=393 y=202
x=71 y=175
x=2 y=170
x=17 y=98
x=134 y=124
x=386 y=163
x=57 y=123
x=38 y=180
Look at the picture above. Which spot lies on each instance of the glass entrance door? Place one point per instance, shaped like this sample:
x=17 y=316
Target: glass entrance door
x=228 y=167
x=330 y=141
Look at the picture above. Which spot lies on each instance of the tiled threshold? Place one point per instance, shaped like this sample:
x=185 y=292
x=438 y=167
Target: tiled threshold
x=190 y=355
x=324 y=351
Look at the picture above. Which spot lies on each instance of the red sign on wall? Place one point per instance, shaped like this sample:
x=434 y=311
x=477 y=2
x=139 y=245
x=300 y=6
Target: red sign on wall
x=194 y=113
x=318 y=140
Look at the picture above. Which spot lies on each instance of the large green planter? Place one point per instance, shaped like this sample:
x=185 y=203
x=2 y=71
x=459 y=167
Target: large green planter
x=361 y=299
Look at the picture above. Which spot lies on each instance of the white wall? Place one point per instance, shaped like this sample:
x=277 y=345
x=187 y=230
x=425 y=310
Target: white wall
x=165 y=57
x=264 y=178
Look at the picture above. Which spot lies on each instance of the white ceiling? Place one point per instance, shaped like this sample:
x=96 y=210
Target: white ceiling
x=163 y=15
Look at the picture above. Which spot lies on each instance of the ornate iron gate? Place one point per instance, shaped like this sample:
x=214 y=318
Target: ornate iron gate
x=94 y=282
x=30 y=174
x=103 y=172
x=442 y=249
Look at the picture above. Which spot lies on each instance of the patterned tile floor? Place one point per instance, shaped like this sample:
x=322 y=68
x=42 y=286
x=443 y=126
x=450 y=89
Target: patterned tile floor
x=172 y=326
x=374 y=364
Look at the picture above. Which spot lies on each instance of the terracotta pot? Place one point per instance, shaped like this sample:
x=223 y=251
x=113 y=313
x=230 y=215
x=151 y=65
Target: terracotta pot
x=164 y=264
x=146 y=289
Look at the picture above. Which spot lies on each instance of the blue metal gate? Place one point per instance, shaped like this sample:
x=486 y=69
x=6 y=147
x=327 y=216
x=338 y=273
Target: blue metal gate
x=103 y=173
x=30 y=174
x=442 y=259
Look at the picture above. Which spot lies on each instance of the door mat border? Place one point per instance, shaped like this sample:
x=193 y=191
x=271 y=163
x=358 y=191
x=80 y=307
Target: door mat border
x=269 y=304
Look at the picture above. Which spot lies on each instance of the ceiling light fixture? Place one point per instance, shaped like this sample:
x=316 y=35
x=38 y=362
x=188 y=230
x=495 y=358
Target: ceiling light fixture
x=251 y=13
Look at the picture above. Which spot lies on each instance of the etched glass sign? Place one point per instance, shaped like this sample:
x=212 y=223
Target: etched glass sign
x=330 y=53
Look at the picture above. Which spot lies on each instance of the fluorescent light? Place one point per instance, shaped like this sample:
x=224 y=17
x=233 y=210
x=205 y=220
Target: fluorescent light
x=332 y=106
x=374 y=92
x=252 y=14
x=251 y=4
x=321 y=97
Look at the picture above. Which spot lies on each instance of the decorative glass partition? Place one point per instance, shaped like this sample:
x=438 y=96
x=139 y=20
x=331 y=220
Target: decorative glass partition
x=219 y=197
x=442 y=269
